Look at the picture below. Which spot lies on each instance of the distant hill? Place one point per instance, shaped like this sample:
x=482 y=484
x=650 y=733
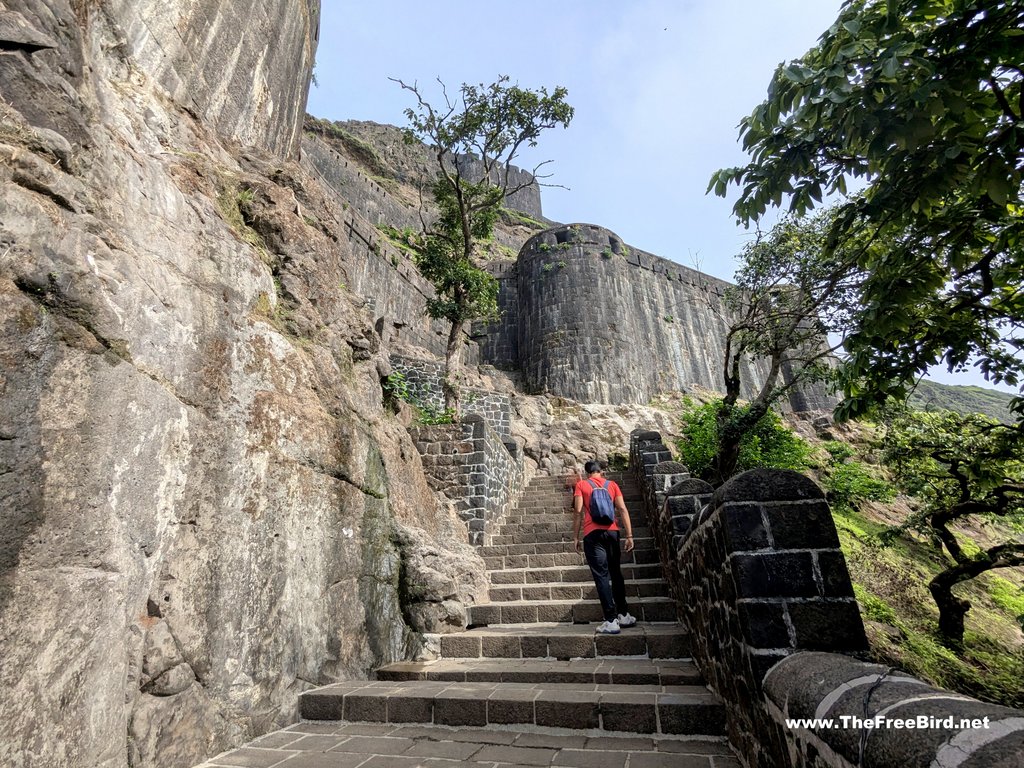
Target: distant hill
x=931 y=395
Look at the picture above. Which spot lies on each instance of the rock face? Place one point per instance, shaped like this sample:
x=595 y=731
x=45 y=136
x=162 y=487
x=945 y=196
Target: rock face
x=205 y=508
x=251 y=87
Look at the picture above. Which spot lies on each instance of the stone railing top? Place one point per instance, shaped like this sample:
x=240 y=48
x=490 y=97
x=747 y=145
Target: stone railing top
x=948 y=729
x=670 y=468
x=768 y=485
x=691 y=486
x=645 y=434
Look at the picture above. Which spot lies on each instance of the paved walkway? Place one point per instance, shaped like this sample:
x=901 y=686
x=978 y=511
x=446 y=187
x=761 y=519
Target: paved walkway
x=530 y=683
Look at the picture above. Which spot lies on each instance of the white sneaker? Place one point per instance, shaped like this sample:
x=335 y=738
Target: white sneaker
x=609 y=628
x=627 y=620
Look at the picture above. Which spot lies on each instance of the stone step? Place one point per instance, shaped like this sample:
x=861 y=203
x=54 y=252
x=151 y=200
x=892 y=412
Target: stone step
x=677 y=709
x=398 y=744
x=574 y=591
x=546 y=480
x=579 y=670
x=645 y=609
x=531 y=511
x=567 y=641
x=569 y=558
x=334 y=744
x=561 y=518
x=531 y=501
x=573 y=574
x=530 y=535
x=554 y=547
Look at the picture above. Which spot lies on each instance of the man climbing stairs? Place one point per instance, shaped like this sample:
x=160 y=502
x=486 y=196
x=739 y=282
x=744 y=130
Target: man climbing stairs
x=530 y=682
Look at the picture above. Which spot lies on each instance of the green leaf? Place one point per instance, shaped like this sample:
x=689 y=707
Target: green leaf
x=794 y=73
x=998 y=190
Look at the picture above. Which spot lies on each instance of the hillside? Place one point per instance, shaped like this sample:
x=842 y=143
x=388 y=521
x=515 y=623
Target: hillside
x=931 y=395
x=891 y=574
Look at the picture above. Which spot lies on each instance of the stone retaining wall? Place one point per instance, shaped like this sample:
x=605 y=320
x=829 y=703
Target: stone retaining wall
x=383 y=275
x=423 y=378
x=762 y=584
x=472 y=466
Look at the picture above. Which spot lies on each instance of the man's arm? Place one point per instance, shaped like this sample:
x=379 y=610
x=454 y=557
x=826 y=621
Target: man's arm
x=577 y=520
x=625 y=524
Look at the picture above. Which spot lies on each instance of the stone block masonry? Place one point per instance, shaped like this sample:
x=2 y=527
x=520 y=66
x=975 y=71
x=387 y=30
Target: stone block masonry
x=423 y=378
x=362 y=194
x=382 y=274
x=472 y=466
x=585 y=299
x=578 y=301
x=848 y=713
x=499 y=339
x=762 y=584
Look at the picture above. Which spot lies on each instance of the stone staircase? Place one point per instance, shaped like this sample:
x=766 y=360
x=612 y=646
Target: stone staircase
x=530 y=682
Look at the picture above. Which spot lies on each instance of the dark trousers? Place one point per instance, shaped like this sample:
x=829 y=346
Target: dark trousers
x=602 y=551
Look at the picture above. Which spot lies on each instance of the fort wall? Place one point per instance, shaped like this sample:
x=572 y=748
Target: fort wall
x=598 y=321
x=572 y=306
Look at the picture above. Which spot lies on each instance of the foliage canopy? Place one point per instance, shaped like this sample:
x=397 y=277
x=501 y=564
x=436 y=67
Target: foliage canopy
x=768 y=444
x=921 y=101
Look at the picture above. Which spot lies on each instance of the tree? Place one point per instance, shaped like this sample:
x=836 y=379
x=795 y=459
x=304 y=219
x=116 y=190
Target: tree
x=786 y=301
x=492 y=124
x=958 y=466
x=768 y=443
x=922 y=102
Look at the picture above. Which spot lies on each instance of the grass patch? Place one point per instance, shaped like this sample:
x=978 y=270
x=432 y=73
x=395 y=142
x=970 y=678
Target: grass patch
x=361 y=151
x=510 y=216
x=234 y=204
x=1007 y=595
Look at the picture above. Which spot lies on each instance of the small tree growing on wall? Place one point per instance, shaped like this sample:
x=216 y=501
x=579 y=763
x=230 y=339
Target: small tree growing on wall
x=493 y=123
x=787 y=298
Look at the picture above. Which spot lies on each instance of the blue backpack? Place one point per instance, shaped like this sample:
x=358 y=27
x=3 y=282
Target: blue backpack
x=602 y=509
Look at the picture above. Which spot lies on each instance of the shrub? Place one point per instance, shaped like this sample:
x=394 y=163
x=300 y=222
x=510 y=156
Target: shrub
x=848 y=484
x=769 y=445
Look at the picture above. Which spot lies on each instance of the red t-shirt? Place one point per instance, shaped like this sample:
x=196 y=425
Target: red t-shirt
x=585 y=489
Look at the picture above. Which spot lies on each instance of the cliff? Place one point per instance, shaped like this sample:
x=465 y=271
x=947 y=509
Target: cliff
x=205 y=507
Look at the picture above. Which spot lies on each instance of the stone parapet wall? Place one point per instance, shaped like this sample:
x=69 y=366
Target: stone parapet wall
x=472 y=466
x=762 y=575
x=423 y=378
x=382 y=274
x=362 y=194
x=919 y=725
x=526 y=199
x=758 y=574
x=763 y=587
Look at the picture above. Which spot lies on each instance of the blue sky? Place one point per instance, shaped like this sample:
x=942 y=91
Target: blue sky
x=659 y=87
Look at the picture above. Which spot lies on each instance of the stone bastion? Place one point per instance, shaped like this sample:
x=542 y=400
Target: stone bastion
x=587 y=317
